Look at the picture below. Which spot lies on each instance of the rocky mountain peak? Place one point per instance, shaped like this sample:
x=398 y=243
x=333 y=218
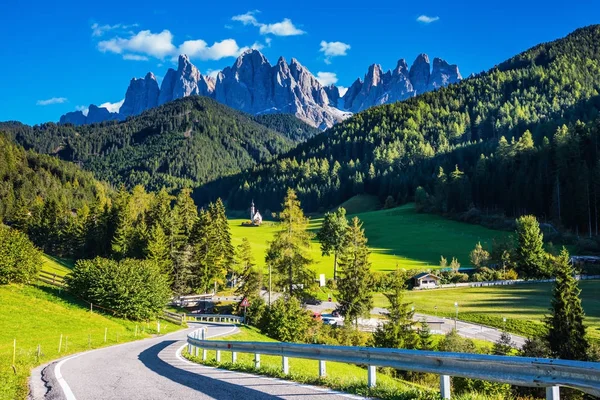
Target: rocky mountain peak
x=443 y=74
x=141 y=95
x=420 y=72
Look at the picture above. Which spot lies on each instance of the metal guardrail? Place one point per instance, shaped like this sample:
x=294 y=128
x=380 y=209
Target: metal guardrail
x=521 y=371
x=178 y=319
x=214 y=318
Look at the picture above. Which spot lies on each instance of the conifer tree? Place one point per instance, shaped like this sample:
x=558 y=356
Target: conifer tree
x=425 y=337
x=566 y=331
x=331 y=235
x=158 y=249
x=504 y=345
x=479 y=256
x=398 y=331
x=288 y=252
x=354 y=279
x=530 y=256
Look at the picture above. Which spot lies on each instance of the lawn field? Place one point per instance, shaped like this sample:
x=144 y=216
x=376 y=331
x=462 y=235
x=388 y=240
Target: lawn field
x=56 y=266
x=38 y=315
x=524 y=306
x=340 y=376
x=397 y=237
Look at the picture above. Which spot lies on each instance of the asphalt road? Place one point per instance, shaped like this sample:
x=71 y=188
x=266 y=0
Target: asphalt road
x=153 y=369
x=464 y=329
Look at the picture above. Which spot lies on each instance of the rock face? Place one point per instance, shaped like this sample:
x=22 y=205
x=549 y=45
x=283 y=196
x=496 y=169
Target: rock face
x=186 y=81
x=399 y=84
x=95 y=114
x=255 y=86
x=141 y=95
x=443 y=74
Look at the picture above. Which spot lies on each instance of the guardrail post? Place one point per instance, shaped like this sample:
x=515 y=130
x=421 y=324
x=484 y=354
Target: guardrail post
x=445 y=386
x=197 y=349
x=257 y=361
x=553 y=393
x=285 y=365
x=233 y=357
x=218 y=356
x=372 y=381
x=322 y=369
x=203 y=354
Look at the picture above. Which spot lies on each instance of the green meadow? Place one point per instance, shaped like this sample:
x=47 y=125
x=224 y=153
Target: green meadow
x=524 y=306
x=398 y=237
x=39 y=315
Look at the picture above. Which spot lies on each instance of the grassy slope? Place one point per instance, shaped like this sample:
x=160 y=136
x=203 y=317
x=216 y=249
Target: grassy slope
x=397 y=236
x=39 y=315
x=339 y=376
x=57 y=266
x=524 y=306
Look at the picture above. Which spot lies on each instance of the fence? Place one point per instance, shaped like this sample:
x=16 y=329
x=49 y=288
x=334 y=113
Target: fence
x=214 y=318
x=175 y=318
x=521 y=371
x=503 y=283
x=52 y=279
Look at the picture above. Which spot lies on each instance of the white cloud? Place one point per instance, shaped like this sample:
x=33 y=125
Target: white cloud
x=246 y=19
x=342 y=90
x=112 y=107
x=333 y=49
x=53 y=100
x=157 y=45
x=283 y=28
x=144 y=44
x=427 y=19
x=327 y=78
x=134 y=57
x=84 y=110
x=99 y=30
x=268 y=41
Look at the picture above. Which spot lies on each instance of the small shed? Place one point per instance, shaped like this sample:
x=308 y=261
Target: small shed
x=425 y=280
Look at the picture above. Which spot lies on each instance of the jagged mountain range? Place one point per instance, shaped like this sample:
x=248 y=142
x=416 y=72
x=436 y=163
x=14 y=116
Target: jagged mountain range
x=255 y=86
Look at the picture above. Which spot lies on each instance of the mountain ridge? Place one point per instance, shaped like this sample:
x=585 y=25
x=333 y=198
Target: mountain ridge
x=254 y=85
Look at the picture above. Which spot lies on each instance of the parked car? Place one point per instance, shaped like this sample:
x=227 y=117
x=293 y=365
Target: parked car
x=329 y=321
x=335 y=313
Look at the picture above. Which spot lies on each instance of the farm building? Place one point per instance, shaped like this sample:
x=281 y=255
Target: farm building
x=425 y=280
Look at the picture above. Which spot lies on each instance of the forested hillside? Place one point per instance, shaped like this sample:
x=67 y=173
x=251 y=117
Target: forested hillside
x=182 y=143
x=506 y=141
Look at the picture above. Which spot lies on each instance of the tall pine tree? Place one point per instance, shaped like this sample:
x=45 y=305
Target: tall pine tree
x=288 y=252
x=354 y=279
x=331 y=235
x=566 y=331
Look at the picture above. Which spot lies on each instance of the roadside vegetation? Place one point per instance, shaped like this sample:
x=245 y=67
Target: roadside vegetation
x=37 y=315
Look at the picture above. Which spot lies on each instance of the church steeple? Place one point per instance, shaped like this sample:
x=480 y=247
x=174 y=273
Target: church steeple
x=252 y=211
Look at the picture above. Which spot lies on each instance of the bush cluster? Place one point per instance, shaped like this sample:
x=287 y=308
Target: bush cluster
x=20 y=260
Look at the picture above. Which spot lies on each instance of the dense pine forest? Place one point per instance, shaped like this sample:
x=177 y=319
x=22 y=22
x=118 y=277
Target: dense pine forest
x=181 y=144
x=520 y=138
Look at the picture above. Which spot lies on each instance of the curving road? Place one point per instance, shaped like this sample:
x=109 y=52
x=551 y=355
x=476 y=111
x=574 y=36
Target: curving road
x=154 y=369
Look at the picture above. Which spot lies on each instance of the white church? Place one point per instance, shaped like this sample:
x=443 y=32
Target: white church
x=255 y=216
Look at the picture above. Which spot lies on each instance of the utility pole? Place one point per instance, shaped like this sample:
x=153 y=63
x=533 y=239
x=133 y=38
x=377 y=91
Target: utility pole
x=269 y=285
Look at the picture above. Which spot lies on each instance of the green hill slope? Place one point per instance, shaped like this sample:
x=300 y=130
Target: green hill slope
x=185 y=142
x=397 y=237
x=390 y=150
x=38 y=315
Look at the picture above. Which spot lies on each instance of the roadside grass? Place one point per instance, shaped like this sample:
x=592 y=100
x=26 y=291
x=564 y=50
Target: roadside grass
x=524 y=306
x=340 y=376
x=398 y=237
x=38 y=315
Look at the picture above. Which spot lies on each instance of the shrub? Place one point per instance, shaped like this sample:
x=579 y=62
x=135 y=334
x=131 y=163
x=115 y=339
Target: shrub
x=287 y=321
x=20 y=260
x=134 y=289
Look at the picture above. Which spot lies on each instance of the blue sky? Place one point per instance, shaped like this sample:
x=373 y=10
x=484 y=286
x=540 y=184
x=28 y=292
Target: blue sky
x=57 y=56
